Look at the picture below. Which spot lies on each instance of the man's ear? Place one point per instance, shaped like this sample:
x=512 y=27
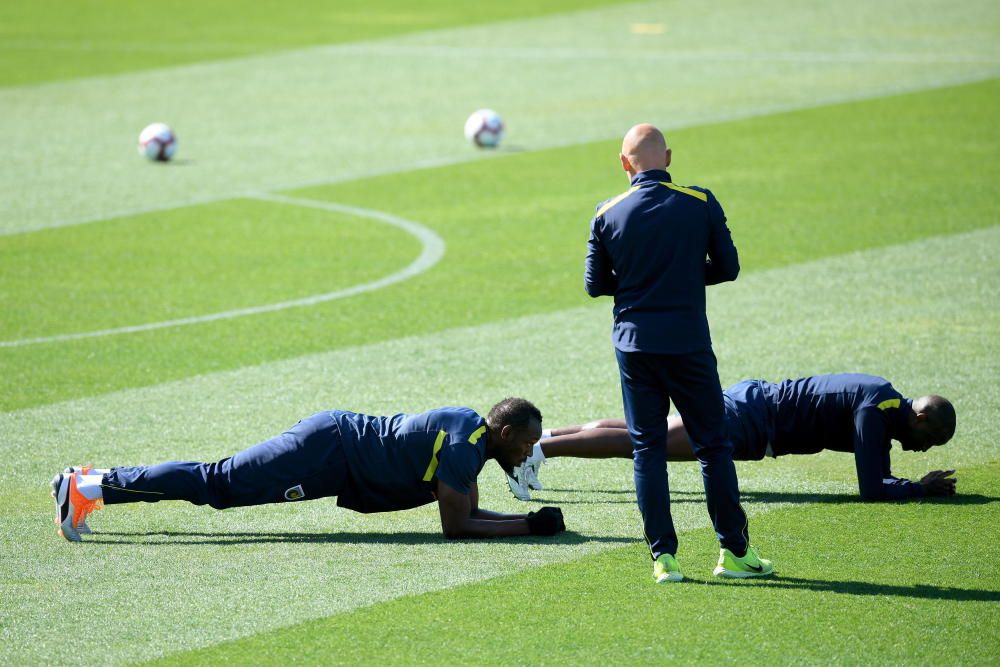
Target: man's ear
x=668 y=158
x=505 y=432
x=626 y=165
x=921 y=417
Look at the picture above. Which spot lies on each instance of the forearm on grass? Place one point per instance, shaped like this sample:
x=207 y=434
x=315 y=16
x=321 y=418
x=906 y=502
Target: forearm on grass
x=490 y=515
x=480 y=528
x=461 y=516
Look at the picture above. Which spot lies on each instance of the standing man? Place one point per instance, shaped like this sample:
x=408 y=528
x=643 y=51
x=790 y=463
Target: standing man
x=372 y=464
x=654 y=248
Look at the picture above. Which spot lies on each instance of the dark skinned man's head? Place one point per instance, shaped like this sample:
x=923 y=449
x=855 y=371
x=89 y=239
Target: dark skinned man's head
x=514 y=426
x=931 y=423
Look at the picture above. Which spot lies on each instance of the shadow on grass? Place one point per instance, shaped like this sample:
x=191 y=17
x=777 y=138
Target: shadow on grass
x=791 y=497
x=629 y=492
x=919 y=591
x=184 y=538
x=699 y=497
x=962 y=499
x=846 y=498
x=596 y=499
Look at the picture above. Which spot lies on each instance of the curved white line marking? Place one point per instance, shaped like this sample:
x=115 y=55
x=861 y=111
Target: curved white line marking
x=431 y=253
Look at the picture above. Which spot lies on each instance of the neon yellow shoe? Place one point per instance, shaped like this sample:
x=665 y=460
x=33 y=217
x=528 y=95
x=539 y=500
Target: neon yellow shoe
x=750 y=565
x=666 y=569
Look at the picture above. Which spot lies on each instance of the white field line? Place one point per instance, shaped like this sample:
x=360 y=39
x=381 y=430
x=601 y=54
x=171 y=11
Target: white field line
x=431 y=163
x=432 y=251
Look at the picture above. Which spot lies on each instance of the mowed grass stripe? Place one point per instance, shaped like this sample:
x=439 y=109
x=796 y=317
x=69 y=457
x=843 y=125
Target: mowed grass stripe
x=259 y=560
x=115 y=37
x=857 y=584
x=283 y=120
x=515 y=229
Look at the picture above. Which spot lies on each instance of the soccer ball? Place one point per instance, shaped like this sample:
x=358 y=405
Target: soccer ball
x=157 y=142
x=484 y=128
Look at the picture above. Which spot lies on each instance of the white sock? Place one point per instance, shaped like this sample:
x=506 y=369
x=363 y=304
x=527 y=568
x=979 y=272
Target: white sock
x=90 y=486
x=537 y=453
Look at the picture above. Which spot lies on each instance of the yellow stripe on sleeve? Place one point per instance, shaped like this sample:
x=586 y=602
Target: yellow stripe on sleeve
x=697 y=194
x=889 y=403
x=604 y=209
x=433 y=465
x=477 y=434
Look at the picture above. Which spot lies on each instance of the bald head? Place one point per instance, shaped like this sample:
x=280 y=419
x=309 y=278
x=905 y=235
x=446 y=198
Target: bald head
x=644 y=148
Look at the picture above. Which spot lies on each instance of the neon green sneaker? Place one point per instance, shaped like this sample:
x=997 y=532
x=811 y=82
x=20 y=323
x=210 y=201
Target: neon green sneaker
x=750 y=565
x=666 y=569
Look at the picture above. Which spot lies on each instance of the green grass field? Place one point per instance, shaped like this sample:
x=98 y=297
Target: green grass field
x=183 y=311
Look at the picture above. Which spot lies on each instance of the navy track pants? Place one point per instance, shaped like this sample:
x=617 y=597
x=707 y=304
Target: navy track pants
x=649 y=382
x=305 y=462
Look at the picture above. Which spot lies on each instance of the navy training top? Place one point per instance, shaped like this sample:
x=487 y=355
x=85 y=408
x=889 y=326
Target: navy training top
x=394 y=463
x=654 y=248
x=848 y=412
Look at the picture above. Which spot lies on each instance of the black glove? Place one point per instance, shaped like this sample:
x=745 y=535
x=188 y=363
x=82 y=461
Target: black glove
x=546 y=521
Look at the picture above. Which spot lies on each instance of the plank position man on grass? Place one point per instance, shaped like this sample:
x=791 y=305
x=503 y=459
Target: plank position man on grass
x=372 y=464
x=861 y=414
x=654 y=248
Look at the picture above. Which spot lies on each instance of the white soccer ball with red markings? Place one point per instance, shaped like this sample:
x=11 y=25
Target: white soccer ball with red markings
x=157 y=142
x=484 y=128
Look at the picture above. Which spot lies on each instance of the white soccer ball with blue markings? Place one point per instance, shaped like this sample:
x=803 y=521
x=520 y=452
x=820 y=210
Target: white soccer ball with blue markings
x=484 y=128
x=157 y=142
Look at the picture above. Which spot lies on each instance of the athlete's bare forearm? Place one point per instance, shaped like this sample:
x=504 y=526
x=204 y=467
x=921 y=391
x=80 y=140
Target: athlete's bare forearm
x=490 y=515
x=478 y=528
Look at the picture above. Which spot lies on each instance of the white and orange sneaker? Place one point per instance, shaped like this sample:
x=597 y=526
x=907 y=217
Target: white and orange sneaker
x=83 y=528
x=73 y=504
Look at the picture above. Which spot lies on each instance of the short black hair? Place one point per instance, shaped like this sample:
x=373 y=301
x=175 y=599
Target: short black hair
x=941 y=415
x=516 y=412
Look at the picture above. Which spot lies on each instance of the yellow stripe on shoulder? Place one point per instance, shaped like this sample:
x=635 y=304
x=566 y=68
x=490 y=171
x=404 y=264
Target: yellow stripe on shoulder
x=889 y=403
x=697 y=194
x=433 y=465
x=477 y=434
x=604 y=209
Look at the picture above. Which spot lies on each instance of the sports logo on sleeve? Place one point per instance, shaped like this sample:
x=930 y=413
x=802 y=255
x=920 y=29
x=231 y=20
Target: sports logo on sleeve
x=295 y=493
